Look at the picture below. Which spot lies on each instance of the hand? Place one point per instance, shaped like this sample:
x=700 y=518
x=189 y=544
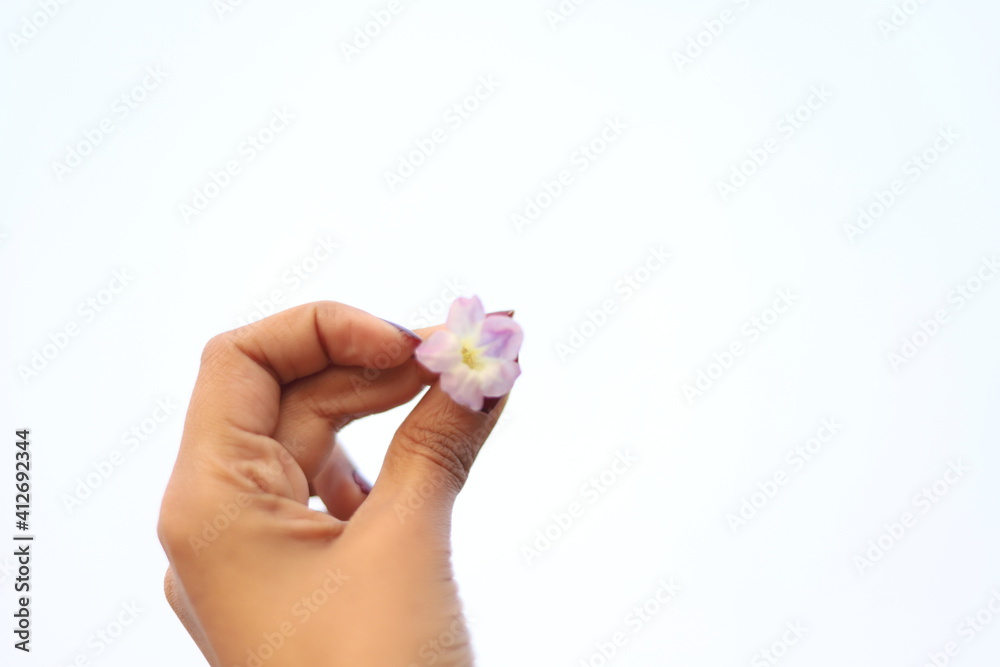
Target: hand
x=256 y=576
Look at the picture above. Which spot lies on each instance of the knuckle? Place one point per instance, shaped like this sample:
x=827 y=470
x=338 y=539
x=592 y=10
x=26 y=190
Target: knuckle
x=254 y=470
x=262 y=476
x=329 y=306
x=171 y=527
x=333 y=316
x=216 y=346
x=328 y=312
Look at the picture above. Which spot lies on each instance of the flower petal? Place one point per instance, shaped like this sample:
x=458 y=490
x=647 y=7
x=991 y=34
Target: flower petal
x=497 y=376
x=501 y=337
x=441 y=352
x=465 y=316
x=462 y=384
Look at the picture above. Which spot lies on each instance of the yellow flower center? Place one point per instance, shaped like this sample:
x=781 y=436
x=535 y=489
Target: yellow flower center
x=470 y=356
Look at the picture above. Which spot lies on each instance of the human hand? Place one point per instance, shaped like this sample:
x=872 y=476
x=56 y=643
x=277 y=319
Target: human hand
x=256 y=576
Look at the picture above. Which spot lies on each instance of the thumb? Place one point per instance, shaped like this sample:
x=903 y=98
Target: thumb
x=431 y=454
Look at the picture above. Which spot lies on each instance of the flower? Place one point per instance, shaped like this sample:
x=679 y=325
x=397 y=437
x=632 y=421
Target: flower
x=476 y=355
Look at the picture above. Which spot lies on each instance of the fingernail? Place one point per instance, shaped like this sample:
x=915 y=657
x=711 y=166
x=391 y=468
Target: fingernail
x=508 y=313
x=365 y=487
x=489 y=404
x=406 y=331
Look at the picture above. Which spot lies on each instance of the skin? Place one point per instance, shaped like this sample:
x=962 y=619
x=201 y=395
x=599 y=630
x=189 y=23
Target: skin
x=255 y=574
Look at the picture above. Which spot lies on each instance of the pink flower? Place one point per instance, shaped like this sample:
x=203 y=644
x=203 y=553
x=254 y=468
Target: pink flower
x=475 y=355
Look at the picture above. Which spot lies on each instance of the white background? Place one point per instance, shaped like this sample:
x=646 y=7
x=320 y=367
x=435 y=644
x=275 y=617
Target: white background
x=689 y=125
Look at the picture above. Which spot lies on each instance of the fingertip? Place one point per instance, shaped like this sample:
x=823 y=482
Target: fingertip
x=427 y=376
x=490 y=404
x=364 y=486
x=412 y=336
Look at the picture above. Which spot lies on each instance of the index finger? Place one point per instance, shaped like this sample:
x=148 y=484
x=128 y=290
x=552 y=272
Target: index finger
x=242 y=371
